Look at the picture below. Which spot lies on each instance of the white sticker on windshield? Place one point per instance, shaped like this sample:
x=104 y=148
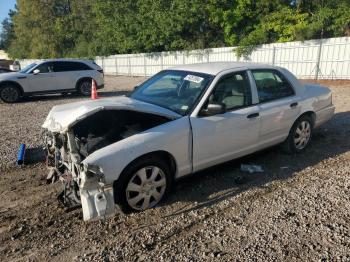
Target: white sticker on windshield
x=192 y=78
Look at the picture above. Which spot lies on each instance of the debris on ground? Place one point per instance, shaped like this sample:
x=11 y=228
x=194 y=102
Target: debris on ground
x=251 y=168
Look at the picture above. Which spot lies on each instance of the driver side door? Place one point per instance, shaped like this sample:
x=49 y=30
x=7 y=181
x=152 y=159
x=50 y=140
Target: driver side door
x=43 y=81
x=224 y=136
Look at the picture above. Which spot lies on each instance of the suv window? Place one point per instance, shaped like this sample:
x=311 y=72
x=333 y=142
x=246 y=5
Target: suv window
x=45 y=68
x=271 y=85
x=70 y=66
x=233 y=90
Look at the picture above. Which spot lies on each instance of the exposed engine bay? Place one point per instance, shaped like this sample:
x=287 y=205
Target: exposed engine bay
x=66 y=151
x=110 y=126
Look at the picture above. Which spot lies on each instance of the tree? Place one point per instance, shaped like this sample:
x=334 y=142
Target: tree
x=86 y=28
x=7 y=33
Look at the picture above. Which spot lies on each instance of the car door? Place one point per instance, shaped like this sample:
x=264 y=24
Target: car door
x=224 y=136
x=42 y=80
x=278 y=105
x=65 y=75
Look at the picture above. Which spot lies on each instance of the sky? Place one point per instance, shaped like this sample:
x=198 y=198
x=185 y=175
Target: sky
x=5 y=6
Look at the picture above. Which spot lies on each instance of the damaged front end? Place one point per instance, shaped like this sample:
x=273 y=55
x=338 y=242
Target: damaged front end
x=84 y=184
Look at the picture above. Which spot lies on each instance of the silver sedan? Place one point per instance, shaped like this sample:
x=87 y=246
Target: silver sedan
x=124 y=152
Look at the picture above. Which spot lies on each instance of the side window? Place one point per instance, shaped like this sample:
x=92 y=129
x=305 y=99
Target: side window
x=233 y=91
x=77 y=66
x=45 y=68
x=271 y=85
x=62 y=66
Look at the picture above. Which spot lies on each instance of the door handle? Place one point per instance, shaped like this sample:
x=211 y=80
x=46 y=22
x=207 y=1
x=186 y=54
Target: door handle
x=253 y=115
x=293 y=104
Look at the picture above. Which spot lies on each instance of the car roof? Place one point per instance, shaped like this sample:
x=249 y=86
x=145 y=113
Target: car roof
x=214 y=68
x=67 y=60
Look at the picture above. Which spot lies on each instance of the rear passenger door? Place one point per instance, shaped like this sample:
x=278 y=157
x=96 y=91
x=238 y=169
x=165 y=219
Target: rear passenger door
x=69 y=72
x=278 y=105
x=64 y=75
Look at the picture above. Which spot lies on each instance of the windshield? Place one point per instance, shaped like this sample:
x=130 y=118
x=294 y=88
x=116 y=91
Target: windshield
x=174 y=90
x=27 y=68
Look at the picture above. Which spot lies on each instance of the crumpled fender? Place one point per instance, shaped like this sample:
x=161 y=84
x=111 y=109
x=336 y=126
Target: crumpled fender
x=173 y=137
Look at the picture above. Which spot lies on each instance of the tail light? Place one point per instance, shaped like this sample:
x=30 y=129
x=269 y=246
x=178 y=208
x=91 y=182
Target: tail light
x=101 y=71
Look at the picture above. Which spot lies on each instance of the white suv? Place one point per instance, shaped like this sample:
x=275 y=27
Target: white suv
x=51 y=76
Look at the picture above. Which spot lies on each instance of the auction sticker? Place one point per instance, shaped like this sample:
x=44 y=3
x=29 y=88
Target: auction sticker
x=195 y=79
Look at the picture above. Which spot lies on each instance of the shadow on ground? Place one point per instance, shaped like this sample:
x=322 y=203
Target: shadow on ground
x=224 y=181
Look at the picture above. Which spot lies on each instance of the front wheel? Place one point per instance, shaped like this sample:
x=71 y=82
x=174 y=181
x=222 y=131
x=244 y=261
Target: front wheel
x=143 y=185
x=299 y=136
x=10 y=93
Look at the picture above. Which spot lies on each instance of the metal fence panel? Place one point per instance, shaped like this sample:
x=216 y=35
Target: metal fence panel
x=313 y=59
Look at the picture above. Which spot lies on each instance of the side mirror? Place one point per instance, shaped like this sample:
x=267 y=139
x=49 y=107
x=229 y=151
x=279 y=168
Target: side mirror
x=213 y=109
x=36 y=71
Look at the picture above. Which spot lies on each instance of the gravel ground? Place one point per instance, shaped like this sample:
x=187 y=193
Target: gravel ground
x=28 y=116
x=298 y=209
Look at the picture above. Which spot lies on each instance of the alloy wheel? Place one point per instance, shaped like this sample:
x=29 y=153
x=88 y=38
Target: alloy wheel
x=9 y=94
x=146 y=188
x=302 y=135
x=85 y=88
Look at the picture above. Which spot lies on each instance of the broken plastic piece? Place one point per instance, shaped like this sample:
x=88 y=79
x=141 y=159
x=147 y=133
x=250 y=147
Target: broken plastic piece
x=21 y=153
x=251 y=168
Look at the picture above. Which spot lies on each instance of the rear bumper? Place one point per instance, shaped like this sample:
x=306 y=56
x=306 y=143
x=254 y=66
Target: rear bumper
x=324 y=115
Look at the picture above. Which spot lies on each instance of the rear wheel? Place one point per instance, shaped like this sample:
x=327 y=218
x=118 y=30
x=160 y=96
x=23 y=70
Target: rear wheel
x=143 y=185
x=84 y=87
x=299 y=136
x=10 y=93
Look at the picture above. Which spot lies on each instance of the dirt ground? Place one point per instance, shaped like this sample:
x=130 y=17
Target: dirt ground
x=297 y=209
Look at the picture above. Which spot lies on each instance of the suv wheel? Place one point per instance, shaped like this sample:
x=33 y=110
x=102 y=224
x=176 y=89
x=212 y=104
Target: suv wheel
x=10 y=93
x=84 y=87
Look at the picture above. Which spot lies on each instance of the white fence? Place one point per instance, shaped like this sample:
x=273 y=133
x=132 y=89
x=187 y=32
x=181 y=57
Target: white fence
x=313 y=59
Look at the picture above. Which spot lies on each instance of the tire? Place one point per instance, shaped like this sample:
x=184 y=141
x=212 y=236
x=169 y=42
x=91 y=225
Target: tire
x=137 y=190
x=10 y=93
x=84 y=87
x=299 y=136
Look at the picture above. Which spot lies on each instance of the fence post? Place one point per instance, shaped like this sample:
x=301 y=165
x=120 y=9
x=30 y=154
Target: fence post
x=161 y=61
x=103 y=64
x=129 y=64
x=183 y=57
x=273 y=55
x=116 y=65
x=317 y=68
x=144 y=65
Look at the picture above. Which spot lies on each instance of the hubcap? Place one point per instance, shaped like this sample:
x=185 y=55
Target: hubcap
x=302 y=135
x=85 y=88
x=9 y=94
x=146 y=188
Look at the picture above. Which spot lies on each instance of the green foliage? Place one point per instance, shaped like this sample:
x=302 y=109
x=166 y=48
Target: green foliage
x=7 y=33
x=86 y=28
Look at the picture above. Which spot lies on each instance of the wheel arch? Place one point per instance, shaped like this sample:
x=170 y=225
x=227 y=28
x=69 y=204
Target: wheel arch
x=311 y=114
x=3 y=83
x=166 y=156
x=81 y=80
